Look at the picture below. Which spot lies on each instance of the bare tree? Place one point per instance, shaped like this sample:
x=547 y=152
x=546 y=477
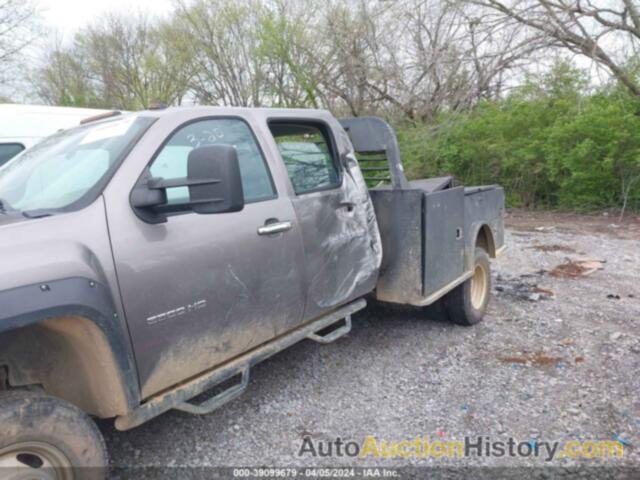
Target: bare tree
x=135 y=62
x=17 y=32
x=121 y=62
x=293 y=57
x=417 y=58
x=407 y=58
x=601 y=30
x=222 y=41
x=65 y=80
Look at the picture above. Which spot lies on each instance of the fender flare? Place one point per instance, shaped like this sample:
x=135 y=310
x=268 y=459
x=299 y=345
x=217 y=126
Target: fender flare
x=477 y=230
x=82 y=300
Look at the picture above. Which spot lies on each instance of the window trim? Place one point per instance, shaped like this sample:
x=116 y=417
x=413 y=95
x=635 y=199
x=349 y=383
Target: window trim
x=325 y=130
x=174 y=210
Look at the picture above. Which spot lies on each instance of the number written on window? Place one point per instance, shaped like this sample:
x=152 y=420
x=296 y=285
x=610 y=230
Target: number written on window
x=171 y=162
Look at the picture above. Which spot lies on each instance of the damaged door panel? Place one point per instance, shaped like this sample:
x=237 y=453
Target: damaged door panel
x=341 y=243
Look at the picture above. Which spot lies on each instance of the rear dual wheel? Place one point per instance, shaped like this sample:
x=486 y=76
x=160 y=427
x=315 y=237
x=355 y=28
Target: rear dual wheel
x=467 y=303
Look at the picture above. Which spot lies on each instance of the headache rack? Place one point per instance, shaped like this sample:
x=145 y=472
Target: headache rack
x=375 y=168
x=377 y=150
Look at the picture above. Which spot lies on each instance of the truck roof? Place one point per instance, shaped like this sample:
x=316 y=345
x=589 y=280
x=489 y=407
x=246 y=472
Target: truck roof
x=214 y=110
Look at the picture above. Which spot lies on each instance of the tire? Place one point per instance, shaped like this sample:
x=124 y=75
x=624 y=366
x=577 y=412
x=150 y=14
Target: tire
x=42 y=437
x=467 y=303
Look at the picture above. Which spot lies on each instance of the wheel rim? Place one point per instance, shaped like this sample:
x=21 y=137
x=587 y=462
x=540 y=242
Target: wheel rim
x=34 y=461
x=478 y=287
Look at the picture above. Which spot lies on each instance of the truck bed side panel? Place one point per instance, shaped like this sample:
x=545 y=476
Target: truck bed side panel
x=443 y=239
x=400 y=219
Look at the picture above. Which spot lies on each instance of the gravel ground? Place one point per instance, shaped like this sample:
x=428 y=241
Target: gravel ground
x=556 y=358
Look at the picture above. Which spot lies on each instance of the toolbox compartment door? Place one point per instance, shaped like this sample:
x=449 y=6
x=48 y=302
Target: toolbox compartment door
x=443 y=239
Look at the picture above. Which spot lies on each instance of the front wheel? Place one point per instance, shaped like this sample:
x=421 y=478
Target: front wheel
x=42 y=437
x=467 y=303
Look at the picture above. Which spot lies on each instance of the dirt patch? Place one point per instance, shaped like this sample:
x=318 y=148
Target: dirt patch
x=554 y=248
x=568 y=270
x=538 y=359
x=576 y=268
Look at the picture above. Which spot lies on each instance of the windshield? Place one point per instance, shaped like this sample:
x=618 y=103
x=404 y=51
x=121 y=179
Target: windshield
x=63 y=168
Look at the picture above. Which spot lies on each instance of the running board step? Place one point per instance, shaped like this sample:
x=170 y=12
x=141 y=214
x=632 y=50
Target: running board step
x=334 y=335
x=219 y=400
x=179 y=396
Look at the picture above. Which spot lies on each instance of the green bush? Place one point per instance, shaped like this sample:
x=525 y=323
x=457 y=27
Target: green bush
x=551 y=143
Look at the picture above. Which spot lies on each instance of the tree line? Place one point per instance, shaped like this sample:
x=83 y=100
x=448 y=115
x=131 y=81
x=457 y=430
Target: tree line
x=440 y=70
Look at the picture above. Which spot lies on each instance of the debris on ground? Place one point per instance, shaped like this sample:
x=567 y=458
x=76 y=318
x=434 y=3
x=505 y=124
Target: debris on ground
x=565 y=342
x=544 y=291
x=537 y=273
x=521 y=288
x=615 y=336
x=577 y=268
x=544 y=229
x=553 y=248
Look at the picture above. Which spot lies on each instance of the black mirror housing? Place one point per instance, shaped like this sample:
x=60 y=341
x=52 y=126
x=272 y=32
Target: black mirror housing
x=213 y=179
x=143 y=196
x=215 y=184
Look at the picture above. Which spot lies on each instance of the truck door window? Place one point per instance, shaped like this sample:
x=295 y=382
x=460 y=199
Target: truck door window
x=171 y=161
x=308 y=156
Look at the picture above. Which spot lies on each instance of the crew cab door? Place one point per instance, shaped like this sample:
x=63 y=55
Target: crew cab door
x=203 y=288
x=341 y=239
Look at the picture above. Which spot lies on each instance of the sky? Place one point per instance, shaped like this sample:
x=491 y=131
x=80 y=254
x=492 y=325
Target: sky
x=67 y=16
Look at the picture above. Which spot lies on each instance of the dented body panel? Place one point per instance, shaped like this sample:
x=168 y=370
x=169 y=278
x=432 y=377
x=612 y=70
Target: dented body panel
x=169 y=308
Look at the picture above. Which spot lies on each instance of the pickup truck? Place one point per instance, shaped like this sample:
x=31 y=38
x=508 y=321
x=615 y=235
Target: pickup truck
x=151 y=257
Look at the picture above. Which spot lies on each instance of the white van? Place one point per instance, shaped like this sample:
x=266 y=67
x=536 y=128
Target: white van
x=24 y=125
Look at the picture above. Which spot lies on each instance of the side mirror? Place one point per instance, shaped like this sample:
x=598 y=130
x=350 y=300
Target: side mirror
x=214 y=183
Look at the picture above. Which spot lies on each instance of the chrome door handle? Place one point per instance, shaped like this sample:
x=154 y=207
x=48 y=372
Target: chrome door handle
x=272 y=228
